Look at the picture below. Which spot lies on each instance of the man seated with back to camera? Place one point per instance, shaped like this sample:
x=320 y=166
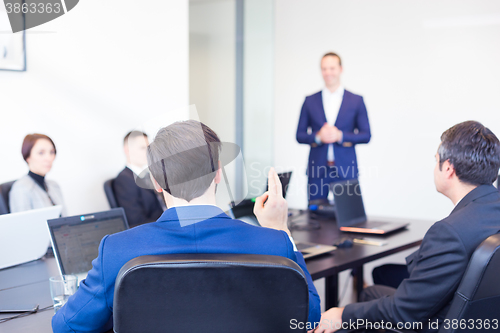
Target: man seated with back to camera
x=90 y=309
x=467 y=164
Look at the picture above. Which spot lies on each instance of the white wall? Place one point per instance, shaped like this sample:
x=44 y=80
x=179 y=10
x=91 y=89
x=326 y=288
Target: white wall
x=212 y=72
x=212 y=84
x=94 y=74
x=258 y=92
x=212 y=39
x=422 y=66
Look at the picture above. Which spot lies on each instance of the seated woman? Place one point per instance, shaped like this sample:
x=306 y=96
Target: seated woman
x=33 y=190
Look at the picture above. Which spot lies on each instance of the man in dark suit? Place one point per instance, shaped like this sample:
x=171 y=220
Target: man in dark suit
x=332 y=122
x=141 y=205
x=467 y=164
x=185 y=164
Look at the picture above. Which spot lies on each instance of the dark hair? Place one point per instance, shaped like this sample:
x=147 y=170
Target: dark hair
x=133 y=135
x=474 y=152
x=183 y=158
x=333 y=54
x=30 y=140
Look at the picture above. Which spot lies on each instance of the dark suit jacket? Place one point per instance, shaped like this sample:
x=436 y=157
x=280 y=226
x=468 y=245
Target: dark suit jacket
x=141 y=205
x=436 y=269
x=352 y=120
x=209 y=230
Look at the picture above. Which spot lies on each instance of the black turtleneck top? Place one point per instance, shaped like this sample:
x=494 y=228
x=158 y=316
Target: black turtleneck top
x=40 y=180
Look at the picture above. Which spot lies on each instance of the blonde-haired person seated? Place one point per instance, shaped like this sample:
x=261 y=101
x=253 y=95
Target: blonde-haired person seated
x=33 y=190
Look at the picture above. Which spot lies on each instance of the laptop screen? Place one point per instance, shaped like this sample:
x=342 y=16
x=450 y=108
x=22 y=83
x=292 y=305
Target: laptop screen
x=76 y=239
x=348 y=203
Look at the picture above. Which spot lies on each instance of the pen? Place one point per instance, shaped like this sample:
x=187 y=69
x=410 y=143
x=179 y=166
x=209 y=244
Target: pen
x=369 y=242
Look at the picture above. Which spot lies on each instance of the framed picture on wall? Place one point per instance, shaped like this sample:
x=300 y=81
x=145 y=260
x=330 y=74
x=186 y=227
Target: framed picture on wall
x=12 y=45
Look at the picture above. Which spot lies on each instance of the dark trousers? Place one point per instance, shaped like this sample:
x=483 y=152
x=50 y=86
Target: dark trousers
x=370 y=294
x=390 y=275
x=375 y=292
x=386 y=278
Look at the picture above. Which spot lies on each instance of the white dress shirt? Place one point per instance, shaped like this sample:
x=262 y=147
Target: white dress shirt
x=136 y=169
x=331 y=105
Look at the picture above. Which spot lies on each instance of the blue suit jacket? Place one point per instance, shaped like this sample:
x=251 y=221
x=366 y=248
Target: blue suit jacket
x=90 y=309
x=437 y=268
x=352 y=120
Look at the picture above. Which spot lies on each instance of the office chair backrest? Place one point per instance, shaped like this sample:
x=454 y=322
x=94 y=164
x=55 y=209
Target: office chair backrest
x=4 y=208
x=209 y=293
x=478 y=296
x=4 y=197
x=110 y=193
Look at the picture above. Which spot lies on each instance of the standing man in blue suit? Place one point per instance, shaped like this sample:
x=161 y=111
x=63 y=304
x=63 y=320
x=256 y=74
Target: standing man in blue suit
x=185 y=166
x=332 y=122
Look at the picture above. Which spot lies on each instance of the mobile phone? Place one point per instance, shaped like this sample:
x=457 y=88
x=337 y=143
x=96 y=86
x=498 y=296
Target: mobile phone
x=18 y=308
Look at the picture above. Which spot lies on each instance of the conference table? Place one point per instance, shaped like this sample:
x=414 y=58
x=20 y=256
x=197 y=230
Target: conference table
x=29 y=283
x=328 y=266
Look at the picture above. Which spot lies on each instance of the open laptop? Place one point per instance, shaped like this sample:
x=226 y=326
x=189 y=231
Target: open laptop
x=76 y=239
x=350 y=211
x=244 y=212
x=24 y=236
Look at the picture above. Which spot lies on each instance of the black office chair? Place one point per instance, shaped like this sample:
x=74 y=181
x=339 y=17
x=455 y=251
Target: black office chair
x=4 y=208
x=110 y=193
x=209 y=293
x=478 y=295
x=4 y=197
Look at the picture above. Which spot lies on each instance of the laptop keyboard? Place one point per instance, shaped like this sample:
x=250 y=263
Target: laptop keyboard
x=303 y=246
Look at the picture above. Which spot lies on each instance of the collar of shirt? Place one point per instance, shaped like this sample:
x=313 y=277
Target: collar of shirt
x=326 y=93
x=135 y=169
x=191 y=214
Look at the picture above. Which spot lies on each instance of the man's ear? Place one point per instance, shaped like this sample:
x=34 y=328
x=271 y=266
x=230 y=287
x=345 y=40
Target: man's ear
x=125 y=149
x=218 y=175
x=449 y=169
x=155 y=184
